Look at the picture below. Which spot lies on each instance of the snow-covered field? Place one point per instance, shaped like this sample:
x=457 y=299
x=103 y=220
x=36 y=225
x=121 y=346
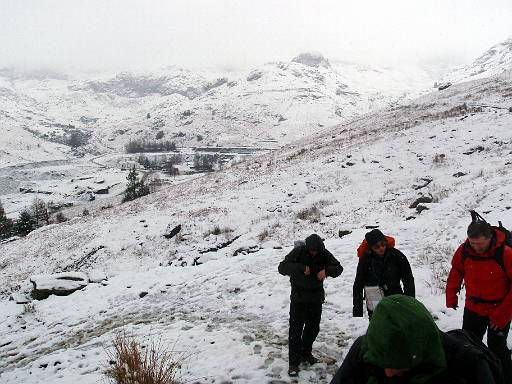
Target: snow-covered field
x=228 y=316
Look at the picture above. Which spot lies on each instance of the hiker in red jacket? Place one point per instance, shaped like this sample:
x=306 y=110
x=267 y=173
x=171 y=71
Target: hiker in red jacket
x=484 y=262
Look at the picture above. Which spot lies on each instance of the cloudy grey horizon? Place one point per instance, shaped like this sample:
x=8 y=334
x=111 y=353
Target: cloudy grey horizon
x=117 y=35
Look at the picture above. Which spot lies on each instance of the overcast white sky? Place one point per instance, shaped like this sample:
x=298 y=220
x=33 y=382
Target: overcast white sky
x=123 y=34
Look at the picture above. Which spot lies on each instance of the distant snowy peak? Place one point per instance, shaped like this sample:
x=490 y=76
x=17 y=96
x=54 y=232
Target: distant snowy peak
x=176 y=81
x=312 y=60
x=496 y=60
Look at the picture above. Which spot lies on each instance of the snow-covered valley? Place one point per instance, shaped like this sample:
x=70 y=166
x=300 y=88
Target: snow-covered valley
x=267 y=106
x=226 y=310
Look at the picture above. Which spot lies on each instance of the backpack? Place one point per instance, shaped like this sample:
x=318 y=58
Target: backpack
x=471 y=341
x=498 y=255
x=299 y=243
x=363 y=247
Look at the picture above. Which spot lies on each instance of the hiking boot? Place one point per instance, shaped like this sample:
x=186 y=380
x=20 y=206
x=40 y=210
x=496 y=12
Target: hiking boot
x=310 y=359
x=293 y=370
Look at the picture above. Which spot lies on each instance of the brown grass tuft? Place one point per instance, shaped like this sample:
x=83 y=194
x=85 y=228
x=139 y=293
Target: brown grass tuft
x=134 y=363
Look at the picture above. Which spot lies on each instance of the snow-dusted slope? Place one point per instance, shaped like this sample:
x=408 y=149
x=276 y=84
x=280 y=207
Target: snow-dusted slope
x=496 y=60
x=267 y=106
x=229 y=315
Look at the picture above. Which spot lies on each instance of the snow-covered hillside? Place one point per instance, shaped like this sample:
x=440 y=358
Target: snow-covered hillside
x=266 y=106
x=222 y=304
x=496 y=60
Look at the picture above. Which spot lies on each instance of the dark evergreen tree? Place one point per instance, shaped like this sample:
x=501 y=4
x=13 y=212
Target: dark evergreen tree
x=131 y=187
x=135 y=187
x=25 y=223
x=6 y=224
x=142 y=188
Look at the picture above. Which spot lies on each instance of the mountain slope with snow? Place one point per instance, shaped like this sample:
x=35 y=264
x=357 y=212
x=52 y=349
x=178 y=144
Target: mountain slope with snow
x=496 y=60
x=268 y=106
x=225 y=306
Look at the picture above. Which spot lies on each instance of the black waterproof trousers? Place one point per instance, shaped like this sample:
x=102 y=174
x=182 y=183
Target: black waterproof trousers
x=496 y=339
x=304 y=328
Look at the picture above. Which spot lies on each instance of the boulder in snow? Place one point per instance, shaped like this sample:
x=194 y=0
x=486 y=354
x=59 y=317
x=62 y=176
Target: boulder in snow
x=444 y=85
x=421 y=207
x=102 y=191
x=421 y=200
x=170 y=233
x=60 y=284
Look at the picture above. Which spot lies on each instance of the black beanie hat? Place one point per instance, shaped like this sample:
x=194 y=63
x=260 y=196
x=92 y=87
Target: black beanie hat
x=373 y=237
x=314 y=243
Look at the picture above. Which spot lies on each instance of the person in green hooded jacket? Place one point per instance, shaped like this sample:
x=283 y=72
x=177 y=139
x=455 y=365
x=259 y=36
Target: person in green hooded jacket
x=403 y=345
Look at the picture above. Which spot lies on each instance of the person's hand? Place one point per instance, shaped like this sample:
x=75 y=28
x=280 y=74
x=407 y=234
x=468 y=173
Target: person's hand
x=307 y=271
x=321 y=275
x=452 y=302
x=494 y=327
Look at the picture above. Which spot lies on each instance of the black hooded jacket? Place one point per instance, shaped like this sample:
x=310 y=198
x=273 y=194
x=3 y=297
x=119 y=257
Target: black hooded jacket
x=384 y=271
x=308 y=289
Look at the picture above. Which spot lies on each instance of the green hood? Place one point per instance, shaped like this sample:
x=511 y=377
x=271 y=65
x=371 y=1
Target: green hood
x=402 y=334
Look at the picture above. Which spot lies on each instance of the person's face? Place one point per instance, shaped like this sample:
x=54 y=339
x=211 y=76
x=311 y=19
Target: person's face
x=380 y=248
x=480 y=244
x=392 y=372
x=313 y=252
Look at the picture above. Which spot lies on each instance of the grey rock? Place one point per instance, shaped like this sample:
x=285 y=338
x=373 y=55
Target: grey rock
x=60 y=284
x=420 y=208
x=421 y=200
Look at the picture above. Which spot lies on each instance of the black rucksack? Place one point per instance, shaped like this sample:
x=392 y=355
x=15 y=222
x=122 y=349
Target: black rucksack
x=470 y=341
x=498 y=256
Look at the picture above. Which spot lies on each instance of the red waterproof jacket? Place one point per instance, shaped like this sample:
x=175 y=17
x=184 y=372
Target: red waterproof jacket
x=488 y=286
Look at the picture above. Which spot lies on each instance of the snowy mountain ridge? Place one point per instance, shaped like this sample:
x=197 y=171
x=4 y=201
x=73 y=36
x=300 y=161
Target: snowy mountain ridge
x=268 y=106
x=496 y=60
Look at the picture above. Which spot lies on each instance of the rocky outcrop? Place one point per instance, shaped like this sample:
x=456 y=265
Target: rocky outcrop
x=312 y=60
x=60 y=284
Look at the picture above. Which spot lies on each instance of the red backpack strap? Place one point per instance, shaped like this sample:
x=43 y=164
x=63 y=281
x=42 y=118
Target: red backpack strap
x=362 y=249
x=391 y=241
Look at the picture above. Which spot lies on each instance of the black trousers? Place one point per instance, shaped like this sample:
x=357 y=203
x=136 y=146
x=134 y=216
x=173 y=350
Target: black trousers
x=304 y=328
x=496 y=339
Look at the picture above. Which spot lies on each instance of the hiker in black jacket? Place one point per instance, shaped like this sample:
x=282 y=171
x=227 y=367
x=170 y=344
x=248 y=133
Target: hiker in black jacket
x=307 y=265
x=403 y=345
x=383 y=266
